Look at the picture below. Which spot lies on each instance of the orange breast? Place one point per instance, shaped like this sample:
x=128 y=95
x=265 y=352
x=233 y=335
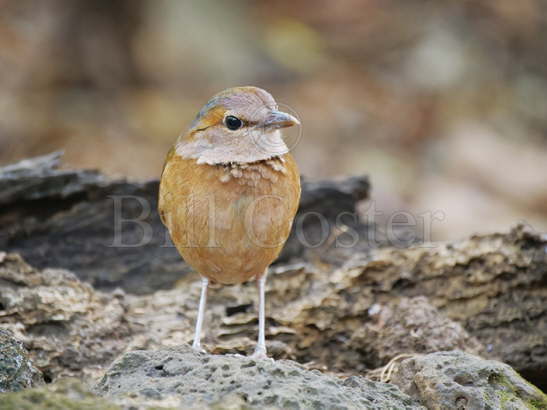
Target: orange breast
x=229 y=222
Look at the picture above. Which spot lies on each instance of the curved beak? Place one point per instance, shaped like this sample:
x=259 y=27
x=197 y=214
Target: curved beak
x=279 y=119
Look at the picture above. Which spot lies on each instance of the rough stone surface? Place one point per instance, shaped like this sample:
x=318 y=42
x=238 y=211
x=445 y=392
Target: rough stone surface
x=494 y=286
x=197 y=380
x=328 y=318
x=457 y=380
x=404 y=325
x=68 y=328
x=412 y=325
x=108 y=232
x=17 y=371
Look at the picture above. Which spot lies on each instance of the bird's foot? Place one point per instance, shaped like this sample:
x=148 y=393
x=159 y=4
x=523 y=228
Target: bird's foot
x=197 y=347
x=260 y=354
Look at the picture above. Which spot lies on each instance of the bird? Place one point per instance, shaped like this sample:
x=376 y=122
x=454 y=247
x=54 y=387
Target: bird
x=229 y=192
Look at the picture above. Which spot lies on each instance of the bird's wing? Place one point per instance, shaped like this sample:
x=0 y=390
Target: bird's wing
x=162 y=190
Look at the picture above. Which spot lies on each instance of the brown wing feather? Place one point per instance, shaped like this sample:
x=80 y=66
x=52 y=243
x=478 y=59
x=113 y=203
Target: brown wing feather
x=162 y=191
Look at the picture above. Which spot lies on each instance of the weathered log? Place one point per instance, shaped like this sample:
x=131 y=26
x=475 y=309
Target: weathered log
x=108 y=232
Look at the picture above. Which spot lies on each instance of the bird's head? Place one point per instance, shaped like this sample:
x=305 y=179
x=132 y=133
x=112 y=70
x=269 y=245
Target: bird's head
x=238 y=125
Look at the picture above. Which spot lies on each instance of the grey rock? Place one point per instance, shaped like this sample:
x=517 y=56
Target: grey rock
x=458 y=380
x=201 y=380
x=16 y=369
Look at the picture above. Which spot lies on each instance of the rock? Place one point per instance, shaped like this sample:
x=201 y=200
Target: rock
x=17 y=372
x=317 y=314
x=322 y=303
x=458 y=380
x=108 y=232
x=200 y=380
x=492 y=285
x=65 y=394
x=412 y=325
x=346 y=310
x=69 y=328
x=404 y=325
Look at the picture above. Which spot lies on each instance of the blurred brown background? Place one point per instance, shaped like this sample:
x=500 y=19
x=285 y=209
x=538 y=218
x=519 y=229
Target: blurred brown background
x=442 y=103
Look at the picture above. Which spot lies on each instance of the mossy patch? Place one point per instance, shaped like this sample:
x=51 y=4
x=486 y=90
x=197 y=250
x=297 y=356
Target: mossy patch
x=509 y=395
x=67 y=394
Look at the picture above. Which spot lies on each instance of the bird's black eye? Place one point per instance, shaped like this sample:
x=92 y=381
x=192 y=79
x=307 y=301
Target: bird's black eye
x=233 y=123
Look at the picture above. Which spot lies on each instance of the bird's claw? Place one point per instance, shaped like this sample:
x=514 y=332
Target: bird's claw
x=260 y=354
x=198 y=348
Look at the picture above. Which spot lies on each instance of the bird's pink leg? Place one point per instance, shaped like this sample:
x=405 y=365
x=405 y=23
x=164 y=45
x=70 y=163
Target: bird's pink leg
x=201 y=312
x=260 y=350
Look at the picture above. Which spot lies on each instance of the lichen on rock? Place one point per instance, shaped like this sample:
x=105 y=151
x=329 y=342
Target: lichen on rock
x=17 y=372
x=65 y=394
x=458 y=380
